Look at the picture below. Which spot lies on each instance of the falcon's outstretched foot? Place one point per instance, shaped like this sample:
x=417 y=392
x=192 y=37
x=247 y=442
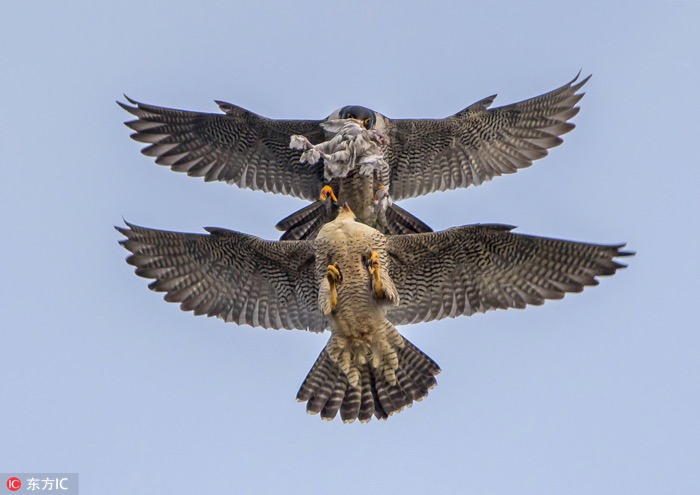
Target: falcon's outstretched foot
x=372 y=264
x=334 y=278
x=327 y=192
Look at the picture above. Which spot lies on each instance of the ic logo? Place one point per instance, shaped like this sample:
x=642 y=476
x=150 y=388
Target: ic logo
x=13 y=484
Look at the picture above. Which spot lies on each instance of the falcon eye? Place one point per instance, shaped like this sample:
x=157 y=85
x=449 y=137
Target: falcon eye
x=367 y=123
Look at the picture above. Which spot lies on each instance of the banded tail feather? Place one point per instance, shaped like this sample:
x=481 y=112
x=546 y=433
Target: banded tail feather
x=327 y=390
x=399 y=221
x=306 y=222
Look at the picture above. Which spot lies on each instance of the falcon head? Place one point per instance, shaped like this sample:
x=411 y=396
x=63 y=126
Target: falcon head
x=369 y=118
x=363 y=114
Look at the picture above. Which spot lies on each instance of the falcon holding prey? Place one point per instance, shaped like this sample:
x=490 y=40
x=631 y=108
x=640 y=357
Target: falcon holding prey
x=423 y=155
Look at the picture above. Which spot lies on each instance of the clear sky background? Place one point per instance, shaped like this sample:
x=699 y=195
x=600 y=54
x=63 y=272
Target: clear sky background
x=595 y=394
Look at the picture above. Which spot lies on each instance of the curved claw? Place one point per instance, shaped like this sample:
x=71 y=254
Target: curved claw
x=372 y=261
x=326 y=192
x=333 y=273
x=372 y=264
x=334 y=277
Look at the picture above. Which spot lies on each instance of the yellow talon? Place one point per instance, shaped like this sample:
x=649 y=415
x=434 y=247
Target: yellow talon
x=373 y=262
x=326 y=192
x=333 y=273
x=373 y=267
x=334 y=278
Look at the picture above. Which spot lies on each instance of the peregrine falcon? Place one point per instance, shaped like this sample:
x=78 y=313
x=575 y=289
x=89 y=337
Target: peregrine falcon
x=359 y=284
x=423 y=155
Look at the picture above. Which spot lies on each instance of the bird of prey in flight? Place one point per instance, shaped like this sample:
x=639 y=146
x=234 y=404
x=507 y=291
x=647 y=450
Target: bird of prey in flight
x=423 y=155
x=359 y=284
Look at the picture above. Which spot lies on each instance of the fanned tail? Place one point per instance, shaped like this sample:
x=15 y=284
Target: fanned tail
x=327 y=389
x=399 y=221
x=305 y=223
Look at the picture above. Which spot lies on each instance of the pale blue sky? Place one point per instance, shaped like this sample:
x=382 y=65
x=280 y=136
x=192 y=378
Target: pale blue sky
x=597 y=393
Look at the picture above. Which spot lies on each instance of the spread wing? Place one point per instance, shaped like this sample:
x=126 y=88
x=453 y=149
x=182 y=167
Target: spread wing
x=238 y=147
x=477 y=268
x=477 y=144
x=236 y=277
